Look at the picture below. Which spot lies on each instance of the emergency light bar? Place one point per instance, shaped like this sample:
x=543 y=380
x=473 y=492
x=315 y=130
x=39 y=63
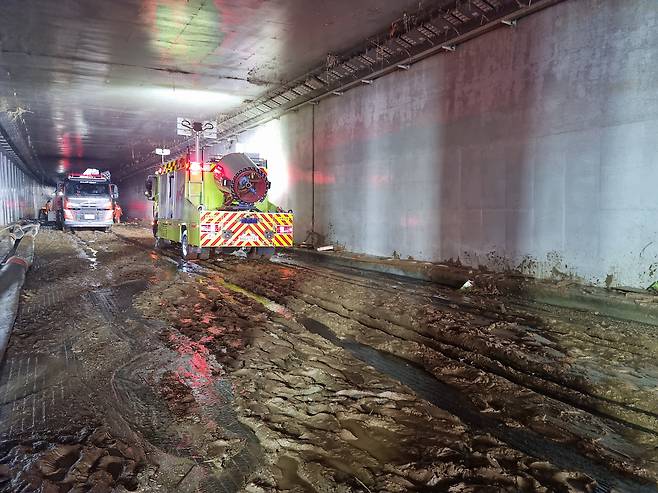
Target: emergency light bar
x=82 y=176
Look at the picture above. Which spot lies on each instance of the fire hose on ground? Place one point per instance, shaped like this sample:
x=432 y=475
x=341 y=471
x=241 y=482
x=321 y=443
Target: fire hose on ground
x=12 y=276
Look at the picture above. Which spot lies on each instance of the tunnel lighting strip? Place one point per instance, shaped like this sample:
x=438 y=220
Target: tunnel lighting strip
x=405 y=64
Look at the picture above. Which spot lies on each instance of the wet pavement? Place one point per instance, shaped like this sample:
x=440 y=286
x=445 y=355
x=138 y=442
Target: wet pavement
x=129 y=370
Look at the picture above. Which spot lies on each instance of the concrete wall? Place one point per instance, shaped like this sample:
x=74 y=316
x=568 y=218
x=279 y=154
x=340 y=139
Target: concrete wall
x=21 y=196
x=532 y=147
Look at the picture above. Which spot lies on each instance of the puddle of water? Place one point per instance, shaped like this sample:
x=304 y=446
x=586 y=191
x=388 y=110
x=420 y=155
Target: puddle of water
x=192 y=268
x=89 y=254
x=425 y=385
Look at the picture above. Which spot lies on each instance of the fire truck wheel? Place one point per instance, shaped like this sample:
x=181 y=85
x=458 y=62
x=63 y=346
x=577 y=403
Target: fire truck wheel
x=205 y=254
x=186 y=251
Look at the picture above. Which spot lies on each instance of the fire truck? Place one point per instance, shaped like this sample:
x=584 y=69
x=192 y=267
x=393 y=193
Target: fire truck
x=218 y=206
x=85 y=200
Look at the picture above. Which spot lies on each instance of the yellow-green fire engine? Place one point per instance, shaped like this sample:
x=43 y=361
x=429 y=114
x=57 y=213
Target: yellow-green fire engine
x=217 y=207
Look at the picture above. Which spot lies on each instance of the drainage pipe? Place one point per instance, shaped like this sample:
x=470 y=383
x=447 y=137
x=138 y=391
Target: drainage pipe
x=12 y=277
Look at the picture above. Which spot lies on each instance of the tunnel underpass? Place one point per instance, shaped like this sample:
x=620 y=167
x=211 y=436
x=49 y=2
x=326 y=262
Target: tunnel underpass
x=328 y=247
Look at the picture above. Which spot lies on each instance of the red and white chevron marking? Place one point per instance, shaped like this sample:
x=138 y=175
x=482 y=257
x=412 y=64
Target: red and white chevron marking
x=228 y=229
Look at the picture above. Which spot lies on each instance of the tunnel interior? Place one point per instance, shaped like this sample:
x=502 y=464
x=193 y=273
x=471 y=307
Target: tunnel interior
x=288 y=246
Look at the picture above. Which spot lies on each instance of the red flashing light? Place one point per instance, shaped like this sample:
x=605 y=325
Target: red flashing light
x=196 y=167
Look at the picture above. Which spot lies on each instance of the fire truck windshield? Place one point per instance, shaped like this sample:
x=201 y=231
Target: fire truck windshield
x=77 y=188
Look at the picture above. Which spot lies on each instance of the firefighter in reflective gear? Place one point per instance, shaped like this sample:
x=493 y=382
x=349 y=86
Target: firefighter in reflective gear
x=118 y=212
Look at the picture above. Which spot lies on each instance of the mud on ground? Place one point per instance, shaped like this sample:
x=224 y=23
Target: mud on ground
x=129 y=370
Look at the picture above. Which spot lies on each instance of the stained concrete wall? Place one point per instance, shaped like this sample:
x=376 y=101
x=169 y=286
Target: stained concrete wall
x=532 y=147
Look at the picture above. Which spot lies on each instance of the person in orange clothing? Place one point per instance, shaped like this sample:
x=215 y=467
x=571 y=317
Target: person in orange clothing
x=118 y=212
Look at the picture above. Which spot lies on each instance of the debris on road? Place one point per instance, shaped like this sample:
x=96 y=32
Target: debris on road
x=260 y=376
x=467 y=285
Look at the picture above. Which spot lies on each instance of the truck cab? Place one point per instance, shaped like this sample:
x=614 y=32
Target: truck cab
x=86 y=200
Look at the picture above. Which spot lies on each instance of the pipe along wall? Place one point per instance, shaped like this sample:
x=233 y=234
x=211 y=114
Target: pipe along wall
x=12 y=276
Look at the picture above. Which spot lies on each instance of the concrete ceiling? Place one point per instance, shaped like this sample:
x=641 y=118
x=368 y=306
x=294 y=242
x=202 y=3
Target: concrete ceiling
x=100 y=83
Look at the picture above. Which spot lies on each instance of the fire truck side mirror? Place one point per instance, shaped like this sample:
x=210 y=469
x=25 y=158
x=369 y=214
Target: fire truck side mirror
x=115 y=191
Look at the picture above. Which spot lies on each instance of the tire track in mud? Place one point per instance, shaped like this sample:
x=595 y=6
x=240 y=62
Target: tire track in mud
x=428 y=387
x=527 y=441
x=250 y=455
x=140 y=407
x=425 y=385
x=148 y=414
x=532 y=378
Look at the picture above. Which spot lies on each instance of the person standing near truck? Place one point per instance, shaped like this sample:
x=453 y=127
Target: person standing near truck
x=118 y=212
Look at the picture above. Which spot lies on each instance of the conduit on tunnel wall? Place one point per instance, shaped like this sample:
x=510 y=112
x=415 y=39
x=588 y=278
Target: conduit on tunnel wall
x=20 y=195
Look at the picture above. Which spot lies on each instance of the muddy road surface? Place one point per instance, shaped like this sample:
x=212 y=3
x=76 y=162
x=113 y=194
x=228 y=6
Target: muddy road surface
x=129 y=370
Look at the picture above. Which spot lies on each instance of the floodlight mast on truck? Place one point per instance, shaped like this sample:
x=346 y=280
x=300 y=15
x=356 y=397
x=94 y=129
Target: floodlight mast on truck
x=217 y=206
